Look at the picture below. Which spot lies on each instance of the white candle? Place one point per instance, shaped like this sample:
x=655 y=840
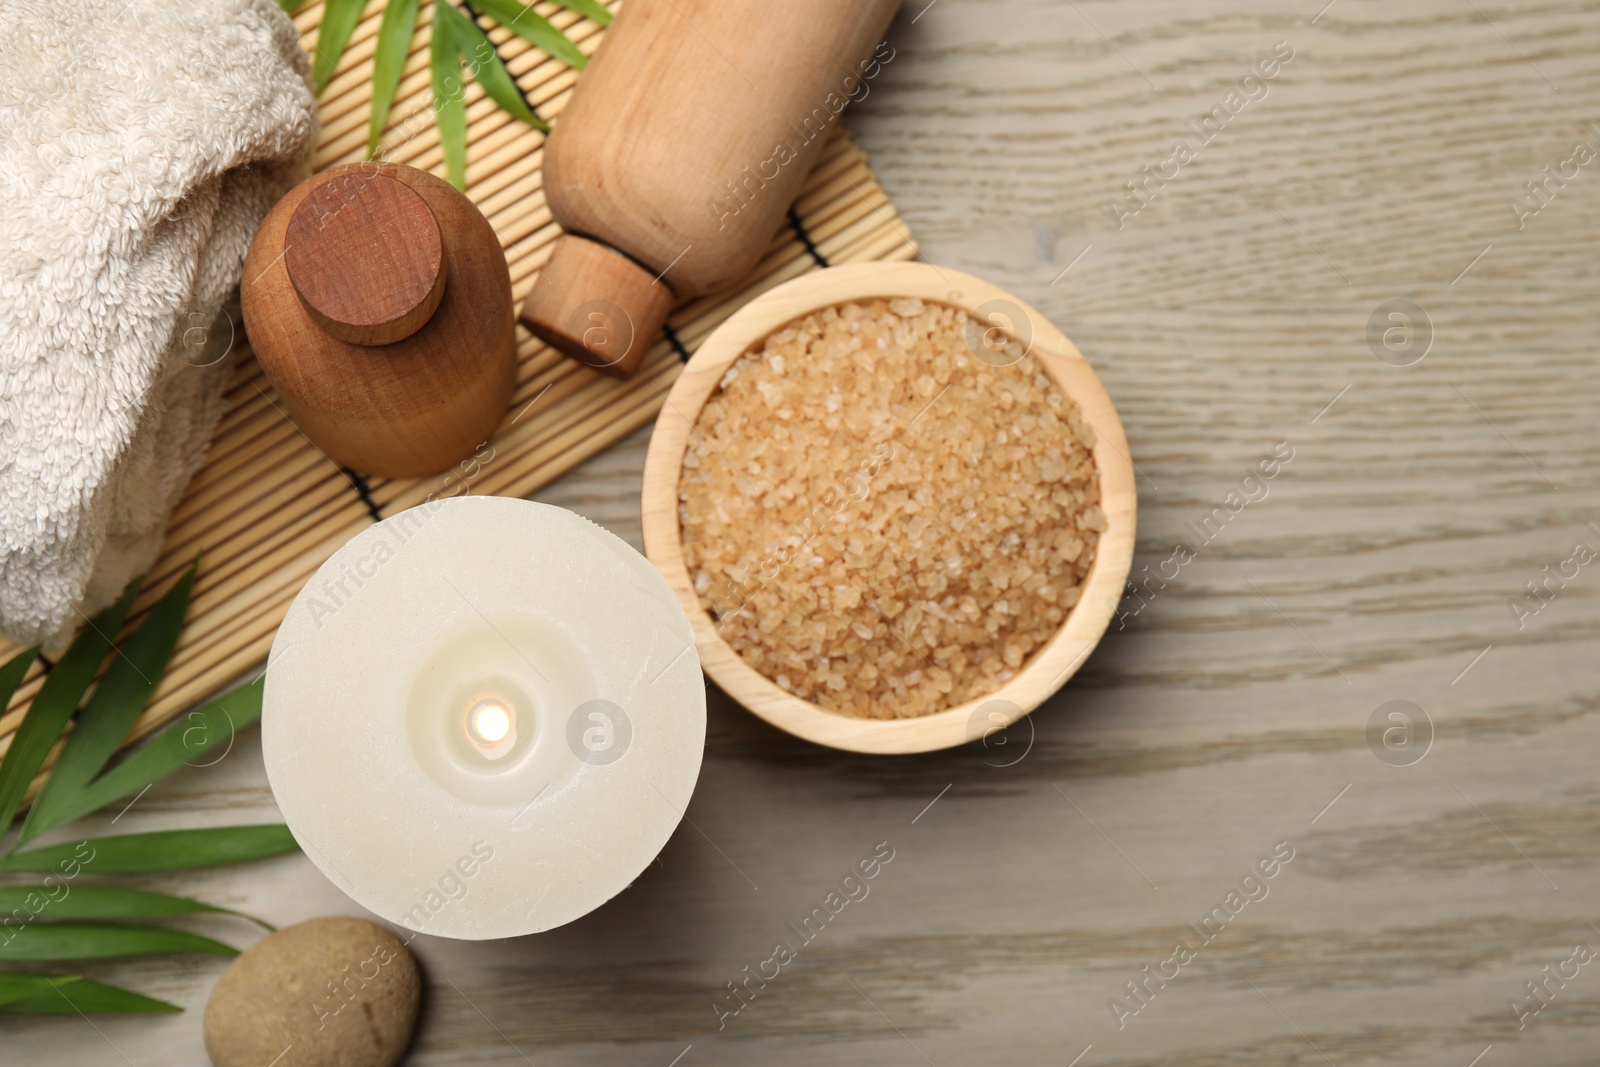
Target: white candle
x=483 y=717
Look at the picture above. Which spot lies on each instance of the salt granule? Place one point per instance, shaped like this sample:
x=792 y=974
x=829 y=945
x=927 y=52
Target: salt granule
x=883 y=520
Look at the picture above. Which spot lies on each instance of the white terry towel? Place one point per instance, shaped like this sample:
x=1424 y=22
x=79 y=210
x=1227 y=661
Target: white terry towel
x=141 y=143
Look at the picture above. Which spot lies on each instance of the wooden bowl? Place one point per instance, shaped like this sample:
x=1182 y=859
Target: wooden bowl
x=1050 y=666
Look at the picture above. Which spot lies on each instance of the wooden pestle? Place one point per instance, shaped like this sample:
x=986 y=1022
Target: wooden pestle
x=378 y=301
x=680 y=152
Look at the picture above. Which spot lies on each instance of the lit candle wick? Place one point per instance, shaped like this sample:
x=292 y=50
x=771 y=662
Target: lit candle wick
x=489 y=722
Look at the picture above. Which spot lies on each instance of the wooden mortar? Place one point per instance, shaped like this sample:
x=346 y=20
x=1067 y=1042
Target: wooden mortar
x=1049 y=667
x=378 y=301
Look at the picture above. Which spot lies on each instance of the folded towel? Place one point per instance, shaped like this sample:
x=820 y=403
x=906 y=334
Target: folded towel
x=141 y=142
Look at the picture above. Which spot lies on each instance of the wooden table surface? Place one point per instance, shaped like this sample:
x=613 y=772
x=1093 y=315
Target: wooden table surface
x=1243 y=705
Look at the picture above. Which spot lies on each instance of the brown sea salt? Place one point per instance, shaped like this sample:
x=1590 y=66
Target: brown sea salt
x=879 y=520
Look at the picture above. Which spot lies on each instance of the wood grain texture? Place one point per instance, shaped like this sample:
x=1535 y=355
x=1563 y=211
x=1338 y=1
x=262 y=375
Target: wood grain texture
x=596 y=305
x=404 y=384
x=367 y=262
x=1232 y=707
x=1048 y=668
x=678 y=158
x=696 y=126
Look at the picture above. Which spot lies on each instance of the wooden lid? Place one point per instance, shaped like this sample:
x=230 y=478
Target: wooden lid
x=597 y=305
x=366 y=258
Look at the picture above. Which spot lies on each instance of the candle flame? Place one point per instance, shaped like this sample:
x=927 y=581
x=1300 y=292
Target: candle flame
x=489 y=722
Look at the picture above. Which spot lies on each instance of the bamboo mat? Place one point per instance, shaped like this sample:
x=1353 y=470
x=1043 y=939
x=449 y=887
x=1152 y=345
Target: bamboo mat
x=267 y=508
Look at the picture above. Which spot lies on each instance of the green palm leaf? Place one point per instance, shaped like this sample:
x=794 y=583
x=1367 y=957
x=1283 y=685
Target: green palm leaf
x=163 y=850
x=188 y=741
x=11 y=675
x=47 y=921
x=589 y=9
x=534 y=28
x=487 y=66
x=56 y=701
x=455 y=36
x=77 y=996
x=101 y=902
x=449 y=94
x=339 y=18
x=85 y=941
x=395 y=32
x=20 y=986
x=111 y=711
